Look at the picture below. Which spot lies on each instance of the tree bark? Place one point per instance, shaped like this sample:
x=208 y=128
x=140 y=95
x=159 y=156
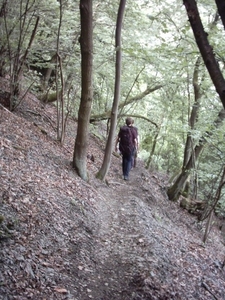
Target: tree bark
x=189 y=152
x=192 y=152
x=109 y=145
x=205 y=49
x=152 y=150
x=18 y=65
x=221 y=9
x=194 y=114
x=173 y=192
x=209 y=210
x=86 y=43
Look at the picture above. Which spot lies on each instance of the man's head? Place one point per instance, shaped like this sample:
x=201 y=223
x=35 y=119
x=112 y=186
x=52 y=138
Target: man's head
x=129 y=121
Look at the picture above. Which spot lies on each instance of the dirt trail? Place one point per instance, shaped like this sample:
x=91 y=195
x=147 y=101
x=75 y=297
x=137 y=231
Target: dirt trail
x=70 y=240
x=140 y=251
x=121 y=239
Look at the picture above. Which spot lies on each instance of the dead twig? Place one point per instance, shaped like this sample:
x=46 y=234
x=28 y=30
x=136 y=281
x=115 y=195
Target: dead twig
x=5 y=108
x=33 y=112
x=41 y=115
x=205 y=285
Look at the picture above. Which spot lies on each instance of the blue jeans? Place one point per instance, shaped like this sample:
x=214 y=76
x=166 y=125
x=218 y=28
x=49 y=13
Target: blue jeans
x=127 y=164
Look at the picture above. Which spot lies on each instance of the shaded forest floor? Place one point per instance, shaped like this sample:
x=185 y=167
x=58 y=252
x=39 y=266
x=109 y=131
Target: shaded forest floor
x=62 y=238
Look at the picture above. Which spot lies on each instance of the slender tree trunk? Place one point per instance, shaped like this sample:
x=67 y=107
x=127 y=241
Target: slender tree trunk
x=209 y=211
x=208 y=227
x=212 y=205
x=153 y=149
x=109 y=145
x=86 y=42
x=18 y=59
x=60 y=91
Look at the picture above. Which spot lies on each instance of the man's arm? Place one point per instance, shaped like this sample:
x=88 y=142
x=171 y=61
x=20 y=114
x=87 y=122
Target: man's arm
x=136 y=144
x=135 y=136
x=116 y=144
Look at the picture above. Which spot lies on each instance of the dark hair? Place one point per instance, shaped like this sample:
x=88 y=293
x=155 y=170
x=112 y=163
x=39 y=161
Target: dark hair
x=129 y=121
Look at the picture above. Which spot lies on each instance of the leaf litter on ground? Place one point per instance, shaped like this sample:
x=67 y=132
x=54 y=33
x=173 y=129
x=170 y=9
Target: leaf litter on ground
x=69 y=239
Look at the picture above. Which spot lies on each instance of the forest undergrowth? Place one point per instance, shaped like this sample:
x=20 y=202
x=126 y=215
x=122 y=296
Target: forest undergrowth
x=63 y=238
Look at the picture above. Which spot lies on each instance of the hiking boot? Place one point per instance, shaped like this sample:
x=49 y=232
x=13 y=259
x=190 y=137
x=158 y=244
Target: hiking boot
x=126 y=178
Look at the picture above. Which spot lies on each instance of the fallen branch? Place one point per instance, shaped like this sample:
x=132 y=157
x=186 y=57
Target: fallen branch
x=208 y=289
x=33 y=112
x=41 y=115
x=41 y=128
x=5 y=108
x=19 y=148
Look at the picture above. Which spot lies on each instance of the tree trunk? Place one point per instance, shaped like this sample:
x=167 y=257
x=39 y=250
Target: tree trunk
x=194 y=112
x=109 y=146
x=205 y=49
x=212 y=203
x=86 y=42
x=189 y=155
x=192 y=151
x=60 y=79
x=221 y=9
x=174 y=191
x=209 y=210
x=49 y=72
x=18 y=64
x=148 y=164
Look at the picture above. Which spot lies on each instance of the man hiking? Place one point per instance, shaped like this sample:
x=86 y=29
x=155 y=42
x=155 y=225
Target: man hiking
x=127 y=140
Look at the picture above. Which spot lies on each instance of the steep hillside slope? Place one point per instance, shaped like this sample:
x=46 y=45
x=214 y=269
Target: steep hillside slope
x=63 y=238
